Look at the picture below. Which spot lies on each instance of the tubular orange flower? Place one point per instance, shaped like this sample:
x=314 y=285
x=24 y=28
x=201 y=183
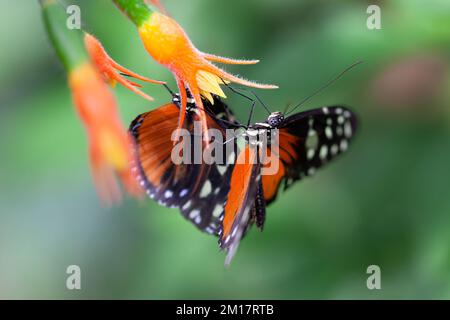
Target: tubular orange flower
x=108 y=67
x=109 y=143
x=111 y=153
x=169 y=45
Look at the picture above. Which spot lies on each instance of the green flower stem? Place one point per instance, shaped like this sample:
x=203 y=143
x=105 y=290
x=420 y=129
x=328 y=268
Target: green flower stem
x=136 y=10
x=68 y=43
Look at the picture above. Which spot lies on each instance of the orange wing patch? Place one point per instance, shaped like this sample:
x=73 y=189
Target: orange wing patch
x=287 y=156
x=154 y=142
x=240 y=182
x=271 y=182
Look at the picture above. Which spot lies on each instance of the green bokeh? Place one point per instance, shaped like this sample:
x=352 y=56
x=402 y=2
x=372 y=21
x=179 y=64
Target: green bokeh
x=386 y=202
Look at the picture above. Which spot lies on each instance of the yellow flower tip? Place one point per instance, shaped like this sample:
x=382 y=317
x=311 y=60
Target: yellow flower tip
x=209 y=84
x=113 y=151
x=109 y=68
x=111 y=158
x=112 y=83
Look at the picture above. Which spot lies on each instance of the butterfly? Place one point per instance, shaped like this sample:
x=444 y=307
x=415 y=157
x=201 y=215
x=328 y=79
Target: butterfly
x=305 y=142
x=199 y=190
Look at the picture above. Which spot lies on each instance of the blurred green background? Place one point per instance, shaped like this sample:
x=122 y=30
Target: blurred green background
x=386 y=202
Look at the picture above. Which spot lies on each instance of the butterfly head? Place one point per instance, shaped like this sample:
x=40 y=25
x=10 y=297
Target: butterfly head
x=275 y=119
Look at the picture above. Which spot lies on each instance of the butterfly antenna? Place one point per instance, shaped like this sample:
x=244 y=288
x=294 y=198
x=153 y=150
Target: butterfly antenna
x=261 y=102
x=212 y=115
x=236 y=91
x=168 y=89
x=286 y=108
x=251 y=114
x=245 y=96
x=329 y=83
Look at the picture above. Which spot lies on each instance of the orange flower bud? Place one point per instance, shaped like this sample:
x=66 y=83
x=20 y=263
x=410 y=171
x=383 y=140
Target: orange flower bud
x=108 y=67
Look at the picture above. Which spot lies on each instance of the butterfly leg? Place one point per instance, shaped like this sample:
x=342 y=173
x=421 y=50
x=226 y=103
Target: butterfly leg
x=251 y=114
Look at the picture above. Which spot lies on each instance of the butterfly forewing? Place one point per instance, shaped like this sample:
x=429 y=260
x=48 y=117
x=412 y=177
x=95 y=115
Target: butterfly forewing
x=307 y=141
x=240 y=201
x=198 y=190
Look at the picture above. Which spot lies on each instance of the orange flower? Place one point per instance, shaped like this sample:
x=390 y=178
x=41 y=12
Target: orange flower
x=108 y=67
x=169 y=45
x=109 y=143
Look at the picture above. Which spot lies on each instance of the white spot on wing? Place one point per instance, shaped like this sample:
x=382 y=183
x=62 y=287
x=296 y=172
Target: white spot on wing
x=168 y=194
x=323 y=152
x=206 y=189
x=348 y=130
x=222 y=169
x=194 y=214
x=310 y=154
x=334 y=149
x=217 y=210
x=312 y=140
x=186 y=205
x=344 y=145
x=329 y=132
